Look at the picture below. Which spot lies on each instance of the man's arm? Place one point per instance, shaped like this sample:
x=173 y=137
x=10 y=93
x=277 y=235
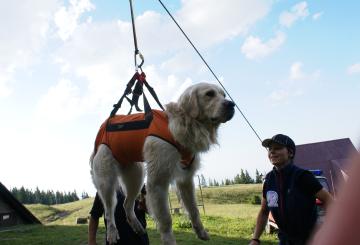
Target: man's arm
x=325 y=197
x=260 y=222
x=93 y=226
x=312 y=186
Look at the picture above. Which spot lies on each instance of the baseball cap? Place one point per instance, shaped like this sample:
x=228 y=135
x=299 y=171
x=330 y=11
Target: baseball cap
x=280 y=139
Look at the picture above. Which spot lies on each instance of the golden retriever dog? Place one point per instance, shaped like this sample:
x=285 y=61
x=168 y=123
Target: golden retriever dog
x=193 y=122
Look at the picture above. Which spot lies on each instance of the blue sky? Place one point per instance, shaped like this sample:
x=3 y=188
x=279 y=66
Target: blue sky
x=293 y=67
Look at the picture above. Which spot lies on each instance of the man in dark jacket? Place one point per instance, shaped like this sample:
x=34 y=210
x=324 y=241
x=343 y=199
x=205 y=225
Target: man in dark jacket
x=126 y=233
x=289 y=193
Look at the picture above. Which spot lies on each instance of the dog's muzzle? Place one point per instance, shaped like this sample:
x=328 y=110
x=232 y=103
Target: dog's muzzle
x=229 y=110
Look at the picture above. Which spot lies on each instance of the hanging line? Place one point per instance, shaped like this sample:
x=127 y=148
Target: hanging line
x=210 y=69
x=137 y=52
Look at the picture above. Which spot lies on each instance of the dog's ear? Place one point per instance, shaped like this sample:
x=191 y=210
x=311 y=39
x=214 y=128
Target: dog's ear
x=173 y=108
x=190 y=103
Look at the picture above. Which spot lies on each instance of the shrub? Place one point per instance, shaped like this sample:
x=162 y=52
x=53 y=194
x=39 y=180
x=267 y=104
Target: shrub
x=256 y=200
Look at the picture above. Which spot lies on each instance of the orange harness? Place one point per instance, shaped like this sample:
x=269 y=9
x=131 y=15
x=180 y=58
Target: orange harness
x=125 y=136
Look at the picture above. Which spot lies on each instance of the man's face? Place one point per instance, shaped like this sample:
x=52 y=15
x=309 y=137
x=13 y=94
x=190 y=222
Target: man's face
x=278 y=154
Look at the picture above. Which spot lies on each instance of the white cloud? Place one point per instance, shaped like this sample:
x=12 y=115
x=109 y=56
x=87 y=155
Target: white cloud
x=254 y=47
x=279 y=95
x=288 y=88
x=5 y=77
x=48 y=153
x=284 y=95
x=207 y=22
x=298 y=11
x=296 y=72
x=66 y=18
x=61 y=103
x=24 y=25
x=182 y=62
x=211 y=21
x=317 y=16
x=355 y=68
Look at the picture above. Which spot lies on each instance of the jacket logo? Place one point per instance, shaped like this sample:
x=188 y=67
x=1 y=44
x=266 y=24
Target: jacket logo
x=272 y=199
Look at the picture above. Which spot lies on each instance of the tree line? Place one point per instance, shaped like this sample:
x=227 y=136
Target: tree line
x=242 y=178
x=49 y=197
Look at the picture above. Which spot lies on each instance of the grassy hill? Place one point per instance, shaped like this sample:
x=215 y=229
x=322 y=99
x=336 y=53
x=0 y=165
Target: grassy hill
x=230 y=219
x=231 y=194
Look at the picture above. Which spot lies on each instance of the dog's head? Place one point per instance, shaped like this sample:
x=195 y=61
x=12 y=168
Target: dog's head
x=206 y=103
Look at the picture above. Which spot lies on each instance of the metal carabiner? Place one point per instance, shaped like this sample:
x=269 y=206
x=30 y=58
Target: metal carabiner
x=137 y=53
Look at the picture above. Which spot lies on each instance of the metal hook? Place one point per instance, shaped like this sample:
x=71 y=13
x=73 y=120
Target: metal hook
x=137 y=53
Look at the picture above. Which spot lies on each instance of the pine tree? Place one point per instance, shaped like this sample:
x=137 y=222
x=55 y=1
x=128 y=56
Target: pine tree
x=84 y=195
x=210 y=182
x=258 y=177
x=242 y=177
x=248 y=179
x=37 y=195
x=22 y=195
x=227 y=182
x=203 y=181
x=237 y=179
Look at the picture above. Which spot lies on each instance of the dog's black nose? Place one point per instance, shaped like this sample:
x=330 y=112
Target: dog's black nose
x=229 y=104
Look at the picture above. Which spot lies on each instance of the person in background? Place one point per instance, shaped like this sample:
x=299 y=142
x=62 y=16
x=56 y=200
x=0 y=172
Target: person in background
x=289 y=193
x=126 y=233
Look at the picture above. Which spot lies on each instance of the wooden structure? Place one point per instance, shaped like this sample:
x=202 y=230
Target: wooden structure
x=12 y=212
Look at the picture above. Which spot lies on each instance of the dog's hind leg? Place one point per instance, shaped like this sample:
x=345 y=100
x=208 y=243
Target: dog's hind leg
x=132 y=178
x=105 y=177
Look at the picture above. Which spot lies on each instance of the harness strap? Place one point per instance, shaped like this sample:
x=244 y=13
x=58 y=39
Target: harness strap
x=139 y=79
x=126 y=92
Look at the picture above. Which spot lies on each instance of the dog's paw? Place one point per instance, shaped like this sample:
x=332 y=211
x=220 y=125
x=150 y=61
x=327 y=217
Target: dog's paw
x=112 y=234
x=168 y=238
x=136 y=226
x=202 y=234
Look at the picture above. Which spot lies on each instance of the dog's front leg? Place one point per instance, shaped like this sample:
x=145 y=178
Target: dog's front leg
x=186 y=189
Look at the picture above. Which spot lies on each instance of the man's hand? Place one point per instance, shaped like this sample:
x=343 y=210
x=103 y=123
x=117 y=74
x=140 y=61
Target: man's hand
x=325 y=197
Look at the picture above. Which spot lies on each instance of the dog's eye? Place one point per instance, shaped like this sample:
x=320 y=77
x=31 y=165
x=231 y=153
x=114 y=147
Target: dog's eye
x=210 y=93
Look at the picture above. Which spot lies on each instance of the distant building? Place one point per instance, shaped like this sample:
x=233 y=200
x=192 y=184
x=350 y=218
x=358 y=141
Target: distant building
x=332 y=157
x=12 y=212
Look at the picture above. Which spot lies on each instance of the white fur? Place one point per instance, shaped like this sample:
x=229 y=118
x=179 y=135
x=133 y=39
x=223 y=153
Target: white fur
x=193 y=122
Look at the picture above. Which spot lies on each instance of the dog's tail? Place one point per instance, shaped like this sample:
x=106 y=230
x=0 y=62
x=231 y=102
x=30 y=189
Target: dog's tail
x=98 y=140
x=91 y=160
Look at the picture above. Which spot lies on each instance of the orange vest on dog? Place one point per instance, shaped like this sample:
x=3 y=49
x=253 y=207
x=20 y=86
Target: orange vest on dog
x=125 y=136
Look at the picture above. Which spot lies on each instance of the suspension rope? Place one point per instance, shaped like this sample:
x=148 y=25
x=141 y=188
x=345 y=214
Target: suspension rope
x=197 y=51
x=137 y=52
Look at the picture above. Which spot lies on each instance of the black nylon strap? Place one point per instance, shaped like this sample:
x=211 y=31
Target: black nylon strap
x=133 y=125
x=126 y=92
x=152 y=92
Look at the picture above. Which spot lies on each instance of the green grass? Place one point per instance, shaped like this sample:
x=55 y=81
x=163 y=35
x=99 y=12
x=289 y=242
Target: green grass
x=231 y=194
x=228 y=221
